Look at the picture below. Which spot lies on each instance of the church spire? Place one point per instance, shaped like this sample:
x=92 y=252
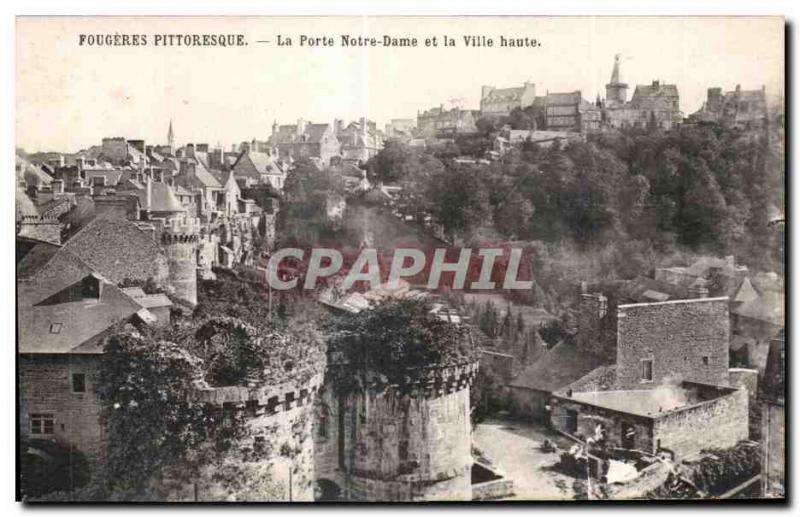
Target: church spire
x=616 y=90
x=615 y=71
x=170 y=135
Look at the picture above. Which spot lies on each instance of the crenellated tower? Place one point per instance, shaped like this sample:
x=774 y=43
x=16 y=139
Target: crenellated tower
x=179 y=239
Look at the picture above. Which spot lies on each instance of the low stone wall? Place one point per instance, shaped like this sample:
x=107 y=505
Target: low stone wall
x=267 y=446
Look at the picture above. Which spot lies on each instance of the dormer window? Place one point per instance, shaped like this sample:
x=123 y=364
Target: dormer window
x=90 y=287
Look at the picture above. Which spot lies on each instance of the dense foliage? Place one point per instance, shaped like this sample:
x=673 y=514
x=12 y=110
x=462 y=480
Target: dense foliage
x=700 y=188
x=397 y=339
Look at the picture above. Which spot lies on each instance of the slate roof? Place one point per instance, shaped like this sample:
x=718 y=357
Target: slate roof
x=556 y=368
x=163 y=199
x=58 y=328
x=562 y=99
x=652 y=96
x=30 y=173
x=287 y=134
x=643 y=289
x=505 y=94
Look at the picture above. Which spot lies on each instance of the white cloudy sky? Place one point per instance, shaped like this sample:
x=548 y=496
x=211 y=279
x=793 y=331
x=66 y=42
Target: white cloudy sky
x=69 y=97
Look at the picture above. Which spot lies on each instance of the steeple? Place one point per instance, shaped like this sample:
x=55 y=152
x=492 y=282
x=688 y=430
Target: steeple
x=616 y=90
x=615 y=71
x=170 y=136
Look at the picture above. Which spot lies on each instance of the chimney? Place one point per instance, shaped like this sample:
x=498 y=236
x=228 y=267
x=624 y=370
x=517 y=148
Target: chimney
x=189 y=150
x=57 y=186
x=301 y=126
x=61 y=160
x=149 y=194
x=592 y=309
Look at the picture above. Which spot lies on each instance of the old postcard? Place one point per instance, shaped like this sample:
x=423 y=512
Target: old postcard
x=400 y=259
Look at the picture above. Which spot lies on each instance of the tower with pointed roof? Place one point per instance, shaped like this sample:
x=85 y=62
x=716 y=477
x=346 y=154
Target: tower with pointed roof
x=170 y=136
x=616 y=90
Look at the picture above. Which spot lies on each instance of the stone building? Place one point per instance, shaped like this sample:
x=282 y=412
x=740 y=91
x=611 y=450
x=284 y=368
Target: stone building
x=359 y=141
x=500 y=102
x=398 y=443
x=571 y=113
x=669 y=385
x=400 y=128
x=306 y=140
x=65 y=309
x=260 y=168
x=655 y=105
x=441 y=123
x=738 y=108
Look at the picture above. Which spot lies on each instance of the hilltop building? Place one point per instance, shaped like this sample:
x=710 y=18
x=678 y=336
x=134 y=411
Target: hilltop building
x=737 y=108
x=306 y=140
x=656 y=105
x=500 y=102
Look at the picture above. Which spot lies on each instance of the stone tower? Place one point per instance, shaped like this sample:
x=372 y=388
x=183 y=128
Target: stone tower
x=408 y=442
x=179 y=240
x=616 y=90
x=170 y=136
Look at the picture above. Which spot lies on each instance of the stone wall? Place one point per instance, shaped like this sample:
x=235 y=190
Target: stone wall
x=685 y=339
x=590 y=416
x=272 y=459
x=774 y=452
x=717 y=423
x=45 y=386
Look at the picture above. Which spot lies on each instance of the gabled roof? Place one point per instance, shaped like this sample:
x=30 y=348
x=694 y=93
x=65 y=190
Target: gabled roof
x=568 y=98
x=31 y=174
x=645 y=289
x=556 y=368
x=262 y=164
x=654 y=96
x=312 y=134
x=162 y=198
x=505 y=94
x=68 y=327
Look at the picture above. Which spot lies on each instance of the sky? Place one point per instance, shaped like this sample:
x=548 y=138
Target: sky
x=69 y=97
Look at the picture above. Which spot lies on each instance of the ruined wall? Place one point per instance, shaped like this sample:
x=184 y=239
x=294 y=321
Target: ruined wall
x=45 y=386
x=589 y=416
x=410 y=443
x=271 y=459
x=685 y=339
x=718 y=423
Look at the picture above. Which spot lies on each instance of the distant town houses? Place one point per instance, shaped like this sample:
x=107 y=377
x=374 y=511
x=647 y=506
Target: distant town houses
x=737 y=108
x=306 y=140
x=656 y=105
x=571 y=112
x=500 y=102
x=443 y=123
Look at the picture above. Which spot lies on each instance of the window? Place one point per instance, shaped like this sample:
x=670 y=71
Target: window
x=705 y=360
x=78 y=383
x=55 y=328
x=42 y=423
x=647 y=370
